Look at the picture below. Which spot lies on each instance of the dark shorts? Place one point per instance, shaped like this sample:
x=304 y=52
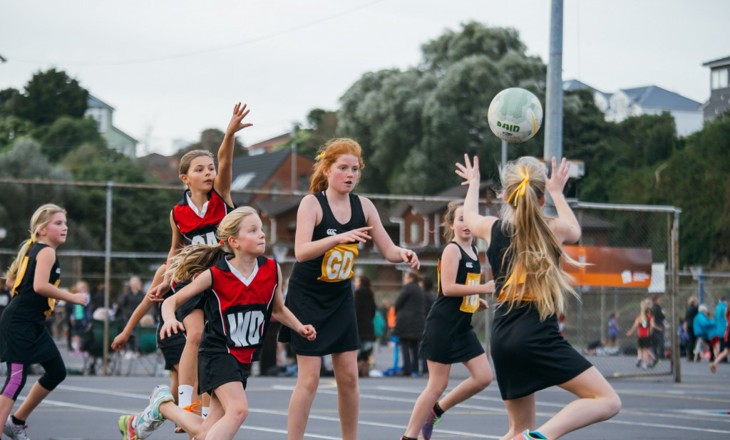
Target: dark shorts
x=646 y=342
x=219 y=368
x=172 y=355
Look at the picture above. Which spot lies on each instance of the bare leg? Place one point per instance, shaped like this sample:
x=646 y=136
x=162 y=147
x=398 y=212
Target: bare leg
x=521 y=414
x=35 y=396
x=303 y=395
x=438 y=380
x=348 y=392
x=597 y=401
x=232 y=399
x=6 y=406
x=481 y=377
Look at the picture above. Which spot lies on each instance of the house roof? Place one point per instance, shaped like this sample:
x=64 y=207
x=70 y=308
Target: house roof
x=658 y=98
x=251 y=172
x=271 y=143
x=425 y=207
x=93 y=101
x=591 y=222
x=574 y=84
x=717 y=63
x=276 y=207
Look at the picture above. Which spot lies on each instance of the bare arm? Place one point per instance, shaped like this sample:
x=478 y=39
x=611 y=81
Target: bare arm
x=158 y=289
x=282 y=314
x=479 y=225
x=308 y=215
x=565 y=227
x=224 y=177
x=172 y=325
x=391 y=252
x=633 y=327
x=450 y=258
x=44 y=263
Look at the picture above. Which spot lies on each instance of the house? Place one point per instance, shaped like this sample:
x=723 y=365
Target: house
x=269 y=172
x=115 y=138
x=164 y=168
x=719 y=101
x=649 y=100
x=269 y=145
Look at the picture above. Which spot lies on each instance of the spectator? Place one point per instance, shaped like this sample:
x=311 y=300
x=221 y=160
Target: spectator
x=365 y=310
x=131 y=298
x=705 y=331
x=689 y=325
x=657 y=331
x=721 y=321
x=409 y=321
x=613 y=329
x=427 y=288
x=80 y=316
x=643 y=325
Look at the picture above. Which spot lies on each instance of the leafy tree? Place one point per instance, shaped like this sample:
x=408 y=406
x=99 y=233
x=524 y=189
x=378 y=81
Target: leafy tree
x=48 y=96
x=414 y=124
x=321 y=127
x=12 y=128
x=65 y=134
x=211 y=139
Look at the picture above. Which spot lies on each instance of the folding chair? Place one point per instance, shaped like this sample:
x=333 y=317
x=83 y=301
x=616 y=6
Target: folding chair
x=93 y=346
x=145 y=351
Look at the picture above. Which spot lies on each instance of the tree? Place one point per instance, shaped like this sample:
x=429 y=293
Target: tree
x=65 y=134
x=211 y=139
x=414 y=124
x=321 y=127
x=48 y=96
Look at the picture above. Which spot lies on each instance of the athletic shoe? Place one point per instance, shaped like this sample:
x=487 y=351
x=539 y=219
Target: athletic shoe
x=431 y=420
x=151 y=418
x=15 y=432
x=194 y=408
x=126 y=427
x=529 y=435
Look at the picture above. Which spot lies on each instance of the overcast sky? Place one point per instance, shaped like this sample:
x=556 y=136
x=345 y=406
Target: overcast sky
x=172 y=68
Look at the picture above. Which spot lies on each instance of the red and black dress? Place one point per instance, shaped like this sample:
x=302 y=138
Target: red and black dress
x=197 y=227
x=238 y=310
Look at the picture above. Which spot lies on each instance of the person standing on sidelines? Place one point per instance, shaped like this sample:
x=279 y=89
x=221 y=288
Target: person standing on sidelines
x=194 y=220
x=331 y=224
x=449 y=337
x=528 y=351
x=242 y=291
x=24 y=339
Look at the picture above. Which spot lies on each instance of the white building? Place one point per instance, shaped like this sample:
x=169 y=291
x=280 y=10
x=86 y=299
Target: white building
x=649 y=100
x=115 y=138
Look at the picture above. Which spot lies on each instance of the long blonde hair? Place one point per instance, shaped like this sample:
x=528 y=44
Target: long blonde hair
x=449 y=219
x=198 y=258
x=534 y=251
x=327 y=155
x=38 y=221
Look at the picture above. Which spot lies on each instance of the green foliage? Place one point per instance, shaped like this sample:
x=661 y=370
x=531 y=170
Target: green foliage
x=321 y=127
x=65 y=134
x=211 y=140
x=414 y=124
x=12 y=128
x=48 y=96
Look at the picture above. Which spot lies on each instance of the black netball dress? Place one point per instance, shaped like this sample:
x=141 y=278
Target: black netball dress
x=24 y=338
x=529 y=355
x=197 y=228
x=449 y=337
x=320 y=291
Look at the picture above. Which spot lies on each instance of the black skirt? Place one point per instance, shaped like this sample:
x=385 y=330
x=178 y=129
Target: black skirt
x=530 y=355
x=447 y=342
x=332 y=315
x=25 y=342
x=219 y=368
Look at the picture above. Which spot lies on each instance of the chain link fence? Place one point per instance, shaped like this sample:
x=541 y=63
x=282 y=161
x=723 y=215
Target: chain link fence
x=128 y=232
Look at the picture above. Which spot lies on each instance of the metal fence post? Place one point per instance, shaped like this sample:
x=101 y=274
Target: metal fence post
x=107 y=271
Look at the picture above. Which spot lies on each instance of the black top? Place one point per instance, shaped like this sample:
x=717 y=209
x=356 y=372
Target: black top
x=29 y=304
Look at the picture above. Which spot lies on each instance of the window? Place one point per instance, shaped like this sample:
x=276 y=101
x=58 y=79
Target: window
x=242 y=180
x=719 y=79
x=415 y=233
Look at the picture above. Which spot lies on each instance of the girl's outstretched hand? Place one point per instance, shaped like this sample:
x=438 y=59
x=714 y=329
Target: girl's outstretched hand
x=468 y=171
x=359 y=234
x=483 y=304
x=240 y=111
x=170 y=328
x=155 y=293
x=410 y=257
x=558 y=177
x=308 y=332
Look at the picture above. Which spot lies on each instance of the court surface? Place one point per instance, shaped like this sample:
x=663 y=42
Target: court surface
x=87 y=407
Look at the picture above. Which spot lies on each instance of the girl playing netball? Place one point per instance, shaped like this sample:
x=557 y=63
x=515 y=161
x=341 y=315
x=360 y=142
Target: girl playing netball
x=331 y=223
x=194 y=220
x=528 y=351
x=24 y=338
x=241 y=292
x=449 y=337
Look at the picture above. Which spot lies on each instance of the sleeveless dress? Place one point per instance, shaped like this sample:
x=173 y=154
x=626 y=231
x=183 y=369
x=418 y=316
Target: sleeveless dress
x=320 y=290
x=528 y=354
x=24 y=337
x=449 y=337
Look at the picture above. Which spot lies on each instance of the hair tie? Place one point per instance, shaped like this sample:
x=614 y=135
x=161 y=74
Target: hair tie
x=319 y=156
x=32 y=239
x=220 y=243
x=521 y=188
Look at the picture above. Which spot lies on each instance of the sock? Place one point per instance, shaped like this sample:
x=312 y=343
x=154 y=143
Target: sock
x=437 y=410
x=17 y=421
x=204 y=412
x=536 y=434
x=408 y=438
x=184 y=395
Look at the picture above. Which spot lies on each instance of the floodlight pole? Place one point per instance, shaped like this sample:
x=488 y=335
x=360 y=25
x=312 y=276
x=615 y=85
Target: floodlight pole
x=554 y=95
x=504 y=153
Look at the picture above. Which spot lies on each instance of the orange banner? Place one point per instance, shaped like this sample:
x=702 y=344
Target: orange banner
x=610 y=266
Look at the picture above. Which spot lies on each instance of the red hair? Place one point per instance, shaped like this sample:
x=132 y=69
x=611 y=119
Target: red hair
x=328 y=155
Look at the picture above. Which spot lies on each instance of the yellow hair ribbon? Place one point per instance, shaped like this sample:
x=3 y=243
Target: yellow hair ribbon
x=521 y=188
x=319 y=156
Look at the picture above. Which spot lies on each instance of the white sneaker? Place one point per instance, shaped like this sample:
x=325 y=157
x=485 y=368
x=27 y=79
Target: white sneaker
x=151 y=418
x=15 y=432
